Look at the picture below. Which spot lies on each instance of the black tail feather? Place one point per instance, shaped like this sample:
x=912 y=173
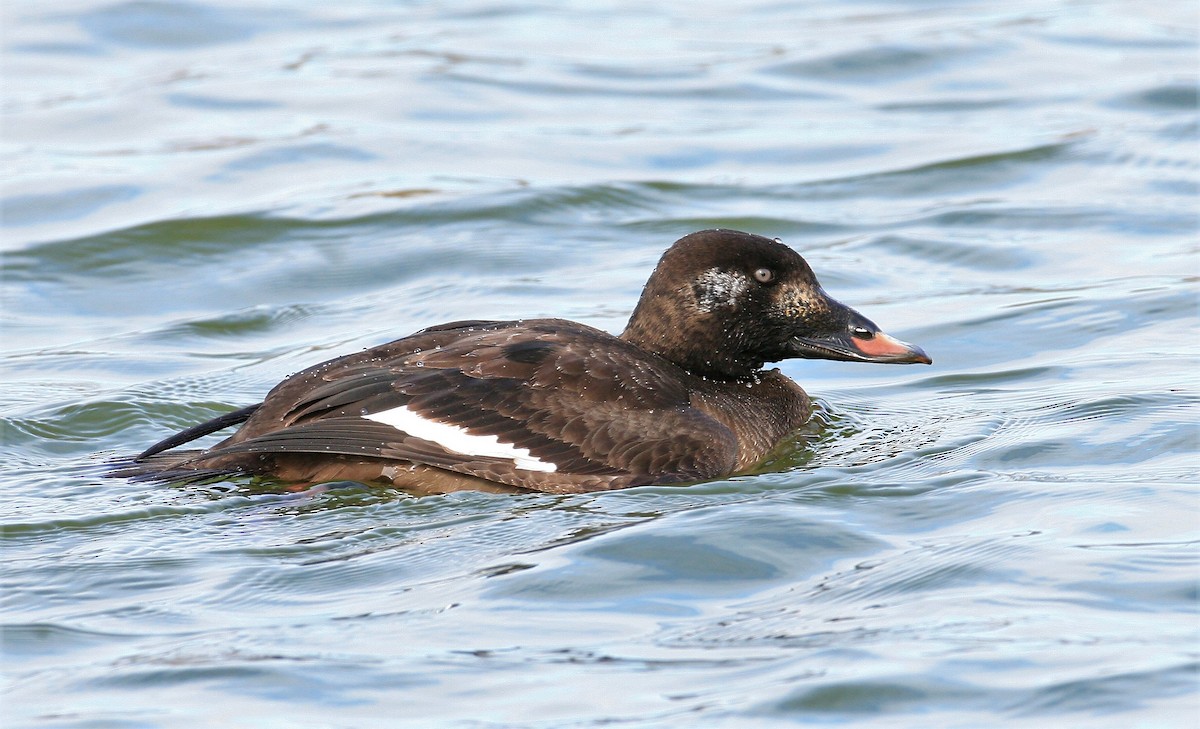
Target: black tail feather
x=165 y=467
x=199 y=431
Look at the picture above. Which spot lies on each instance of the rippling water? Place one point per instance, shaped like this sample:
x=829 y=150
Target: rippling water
x=201 y=198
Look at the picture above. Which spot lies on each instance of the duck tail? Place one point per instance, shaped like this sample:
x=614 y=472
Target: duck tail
x=174 y=467
x=220 y=422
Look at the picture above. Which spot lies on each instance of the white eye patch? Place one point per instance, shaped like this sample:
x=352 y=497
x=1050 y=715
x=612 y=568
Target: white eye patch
x=458 y=440
x=716 y=289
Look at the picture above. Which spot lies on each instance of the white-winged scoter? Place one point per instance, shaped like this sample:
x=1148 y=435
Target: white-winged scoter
x=552 y=405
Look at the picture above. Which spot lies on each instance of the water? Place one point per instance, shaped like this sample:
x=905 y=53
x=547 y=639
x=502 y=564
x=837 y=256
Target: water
x=202 y=198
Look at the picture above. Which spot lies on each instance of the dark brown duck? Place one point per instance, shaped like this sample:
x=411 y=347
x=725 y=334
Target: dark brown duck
x=552 y=405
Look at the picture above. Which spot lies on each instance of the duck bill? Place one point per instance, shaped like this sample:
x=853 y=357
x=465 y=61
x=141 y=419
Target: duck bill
x=876 y=347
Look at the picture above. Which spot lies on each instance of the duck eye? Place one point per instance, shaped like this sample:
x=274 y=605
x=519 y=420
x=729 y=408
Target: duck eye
x=764 y=275
x=861 y=332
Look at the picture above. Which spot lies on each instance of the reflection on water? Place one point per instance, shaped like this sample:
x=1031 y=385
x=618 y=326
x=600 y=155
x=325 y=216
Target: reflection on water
x=205 y=198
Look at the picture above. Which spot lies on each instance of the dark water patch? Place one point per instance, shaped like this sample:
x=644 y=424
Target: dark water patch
x=113 y=521
x=571 y=87
x=1169 y=596
x=1181 y=187
x=953 y=105
x=175 y=26
x=344 y=541
x=275 y=586
x=99 y=369
x=915 y=501
x=55 y=48
x=298 y=154
x=566 y=206
x=1167 y=39
x=1126 y=221
x=1173 y=97
x=992 y=171
x=647 y=566
x=976 y=257
x=61 y=427
x=1162 y=164
x=989 y=428
x=875 y=65
x=191 y=241
x=987 y=381
x=213 y=103
x=1062 y=322
x=1180 y=131
x=968 y=562
x=23 y=642
x=586 y=201
x=788 y=623
x=1097 y=432
x=627 y=71
x=174 y=240
x=239 y=323
x=96 y=585
x=73 y=204
x=1166 y=406
x=295 y=679
x=858 y=432
x=879 y=697
x=1109 y=692
x=697 y=157
x=761 y=225
x=253 y=261
x=979 y=429
x=525 y=205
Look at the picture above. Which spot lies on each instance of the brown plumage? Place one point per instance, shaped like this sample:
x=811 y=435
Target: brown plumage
x=552 y=405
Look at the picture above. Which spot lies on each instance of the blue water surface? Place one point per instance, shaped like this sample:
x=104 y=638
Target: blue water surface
x=202 y=197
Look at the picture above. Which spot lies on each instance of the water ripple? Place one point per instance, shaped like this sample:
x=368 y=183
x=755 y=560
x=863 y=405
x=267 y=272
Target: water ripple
x=210 y=200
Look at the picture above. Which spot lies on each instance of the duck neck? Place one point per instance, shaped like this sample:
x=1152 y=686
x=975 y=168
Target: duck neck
x=696 y=346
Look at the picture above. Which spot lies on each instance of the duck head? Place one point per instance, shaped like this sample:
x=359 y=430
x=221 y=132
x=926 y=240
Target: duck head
x=721 y=303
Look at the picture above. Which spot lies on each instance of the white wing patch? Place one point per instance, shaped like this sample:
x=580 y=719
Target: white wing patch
x=716 y=288
x=454 y=438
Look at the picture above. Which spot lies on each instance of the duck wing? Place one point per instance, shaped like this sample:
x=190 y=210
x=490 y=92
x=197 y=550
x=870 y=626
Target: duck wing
x=549 y=404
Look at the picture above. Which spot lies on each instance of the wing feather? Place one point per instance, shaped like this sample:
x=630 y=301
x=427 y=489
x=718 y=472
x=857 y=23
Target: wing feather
x=598 y=408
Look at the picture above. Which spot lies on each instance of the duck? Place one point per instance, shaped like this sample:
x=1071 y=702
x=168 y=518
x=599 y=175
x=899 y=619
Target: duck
x=550 y=405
